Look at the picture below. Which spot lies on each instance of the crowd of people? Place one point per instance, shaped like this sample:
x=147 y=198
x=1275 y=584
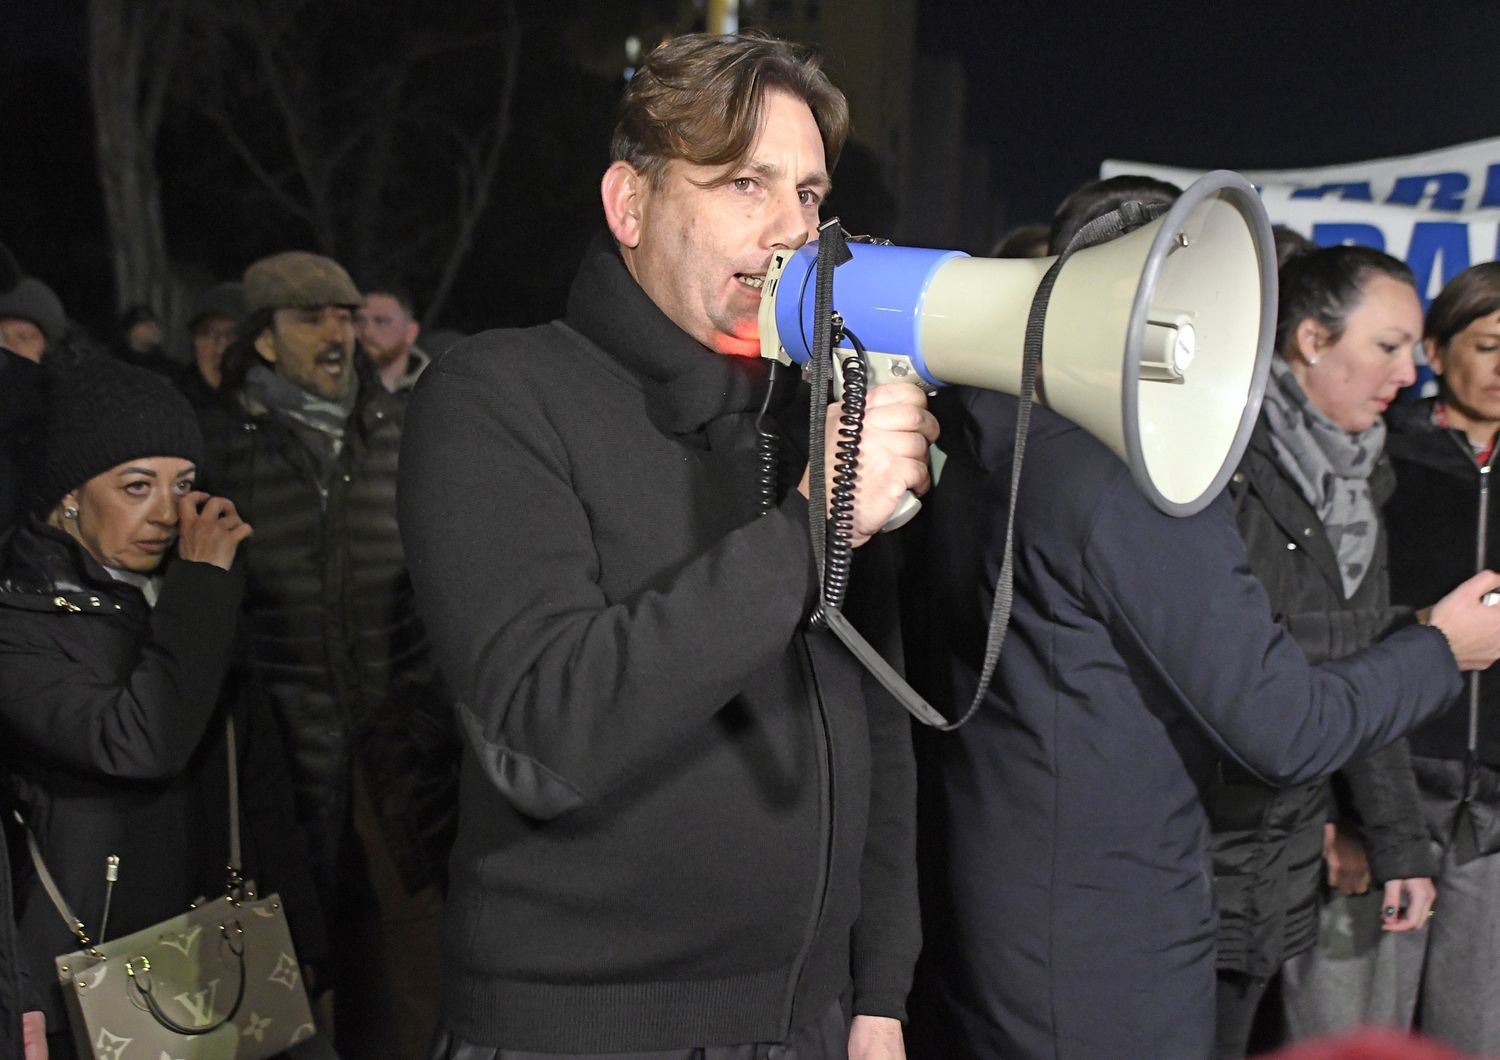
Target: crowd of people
x=507 y=654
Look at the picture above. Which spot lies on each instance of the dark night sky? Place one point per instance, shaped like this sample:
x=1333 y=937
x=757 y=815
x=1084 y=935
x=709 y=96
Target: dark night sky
x=1054 y=88
x=1058 y=87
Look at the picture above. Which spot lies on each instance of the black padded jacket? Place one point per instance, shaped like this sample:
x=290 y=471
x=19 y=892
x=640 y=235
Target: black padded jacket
x=1268 y=842
x=332 y=626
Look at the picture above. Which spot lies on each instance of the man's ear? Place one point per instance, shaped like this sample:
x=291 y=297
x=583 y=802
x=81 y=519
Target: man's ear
x=413 y=329
x=265 y=345
x=624 y=190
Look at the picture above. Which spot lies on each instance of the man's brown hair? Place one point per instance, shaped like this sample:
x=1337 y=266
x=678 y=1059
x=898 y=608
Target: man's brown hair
x=697 y=98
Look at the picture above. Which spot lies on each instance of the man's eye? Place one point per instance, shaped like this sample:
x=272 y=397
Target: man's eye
x=742 y=183
x=809 y=198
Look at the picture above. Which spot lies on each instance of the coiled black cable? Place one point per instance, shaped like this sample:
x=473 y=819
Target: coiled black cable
x=767 y=450
x=839 y=556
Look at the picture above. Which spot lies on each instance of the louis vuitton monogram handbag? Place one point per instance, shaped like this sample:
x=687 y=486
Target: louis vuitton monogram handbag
x=219 y=982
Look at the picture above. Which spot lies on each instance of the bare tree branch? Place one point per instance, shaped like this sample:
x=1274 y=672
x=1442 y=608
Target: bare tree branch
x=485 y=175
x=159 y=81
x=267 y=180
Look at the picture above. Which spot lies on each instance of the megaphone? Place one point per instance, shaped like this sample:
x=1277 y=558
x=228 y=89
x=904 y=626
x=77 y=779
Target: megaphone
x=1158 y=342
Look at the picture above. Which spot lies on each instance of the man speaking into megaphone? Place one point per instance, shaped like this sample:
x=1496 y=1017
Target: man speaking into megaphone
x=686 y=823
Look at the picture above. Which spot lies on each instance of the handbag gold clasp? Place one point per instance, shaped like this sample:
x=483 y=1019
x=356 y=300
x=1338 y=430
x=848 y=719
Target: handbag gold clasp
x=143 y=961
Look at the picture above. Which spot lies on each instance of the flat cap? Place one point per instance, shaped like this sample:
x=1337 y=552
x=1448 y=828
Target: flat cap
x=221 y=300
x=298 y=279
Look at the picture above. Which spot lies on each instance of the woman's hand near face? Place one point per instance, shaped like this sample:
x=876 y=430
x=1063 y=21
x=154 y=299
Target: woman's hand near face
x=209 y=530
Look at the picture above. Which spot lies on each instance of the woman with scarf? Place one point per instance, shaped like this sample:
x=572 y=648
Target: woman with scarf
x=1444 y=522
x=1346 y=861
x=118 y=615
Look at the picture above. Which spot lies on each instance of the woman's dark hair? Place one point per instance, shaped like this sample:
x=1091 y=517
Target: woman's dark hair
x=1326 y=284
x=1023 y=241
x=1289 y=244
x=240 y=355
x=1472 y=294
x=1099 y=197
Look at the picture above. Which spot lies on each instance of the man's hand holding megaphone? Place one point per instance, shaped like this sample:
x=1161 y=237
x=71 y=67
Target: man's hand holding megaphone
x=898 y=428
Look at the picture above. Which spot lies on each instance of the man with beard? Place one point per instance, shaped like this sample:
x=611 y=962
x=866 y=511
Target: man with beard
x=305 y=437
x=387 y=328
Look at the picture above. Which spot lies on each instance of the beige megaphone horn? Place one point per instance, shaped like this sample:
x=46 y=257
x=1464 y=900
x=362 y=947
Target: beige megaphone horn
x=1158 y=342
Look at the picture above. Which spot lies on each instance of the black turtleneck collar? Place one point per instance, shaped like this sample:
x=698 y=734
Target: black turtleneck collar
x=687 y=384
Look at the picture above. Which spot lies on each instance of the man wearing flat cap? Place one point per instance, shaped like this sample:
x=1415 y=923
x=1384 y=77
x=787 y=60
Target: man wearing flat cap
x=303 y=436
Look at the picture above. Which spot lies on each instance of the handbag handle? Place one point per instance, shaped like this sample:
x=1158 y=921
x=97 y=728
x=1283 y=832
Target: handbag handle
x=236 y=880
x=75 y=926
x=141 y=981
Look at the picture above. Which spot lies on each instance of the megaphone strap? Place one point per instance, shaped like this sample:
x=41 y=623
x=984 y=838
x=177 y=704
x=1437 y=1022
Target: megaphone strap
x=831 y=549
x=1127 y=217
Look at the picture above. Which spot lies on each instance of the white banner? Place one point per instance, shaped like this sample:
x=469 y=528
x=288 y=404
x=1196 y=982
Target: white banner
x=1438 y=211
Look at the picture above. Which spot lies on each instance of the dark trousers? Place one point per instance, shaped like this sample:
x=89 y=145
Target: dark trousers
x=826 y=1038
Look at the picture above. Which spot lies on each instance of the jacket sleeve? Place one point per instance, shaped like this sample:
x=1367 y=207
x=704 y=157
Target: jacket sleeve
x=146 y=725
x=1180 y=596
x=887 y=936
x=1381 y=791
x=562 y=694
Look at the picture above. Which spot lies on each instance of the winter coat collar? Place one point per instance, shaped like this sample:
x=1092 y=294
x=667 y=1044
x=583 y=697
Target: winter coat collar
x=687 y=385
x=1415 y=438
x=45 y=569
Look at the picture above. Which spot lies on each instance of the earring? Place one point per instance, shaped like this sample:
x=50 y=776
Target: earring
x=1312 y=362
x=70 y=512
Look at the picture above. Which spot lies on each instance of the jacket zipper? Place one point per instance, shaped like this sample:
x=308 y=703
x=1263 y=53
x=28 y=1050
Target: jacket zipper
x=1481 y=549
x=824 y=748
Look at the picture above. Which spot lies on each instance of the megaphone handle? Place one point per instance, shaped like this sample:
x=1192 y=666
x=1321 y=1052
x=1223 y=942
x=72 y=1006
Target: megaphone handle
x=906 y=510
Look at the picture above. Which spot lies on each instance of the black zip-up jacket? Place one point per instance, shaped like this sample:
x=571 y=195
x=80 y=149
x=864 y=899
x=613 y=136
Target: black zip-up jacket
x=112 y=737
x=1444 y=523
x=684 y=819
x=1268 y=843
x=333 y=628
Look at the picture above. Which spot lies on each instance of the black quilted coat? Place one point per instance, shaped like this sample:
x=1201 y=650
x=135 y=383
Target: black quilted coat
x=333 y=631
x=1268 y=843
x=112 y=742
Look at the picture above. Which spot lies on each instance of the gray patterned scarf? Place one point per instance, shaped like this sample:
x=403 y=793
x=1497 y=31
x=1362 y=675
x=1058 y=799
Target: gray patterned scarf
x=285 y=398
x=1332 y=468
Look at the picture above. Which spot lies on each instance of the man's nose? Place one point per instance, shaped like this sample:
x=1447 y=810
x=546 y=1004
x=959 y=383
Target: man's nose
x=337 y=327
x=789 y=226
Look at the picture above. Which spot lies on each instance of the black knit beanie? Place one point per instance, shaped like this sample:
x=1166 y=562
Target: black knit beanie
x=105 y=412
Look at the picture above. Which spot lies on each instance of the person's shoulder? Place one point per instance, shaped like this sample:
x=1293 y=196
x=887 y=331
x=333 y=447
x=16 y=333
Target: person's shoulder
x=504 y=354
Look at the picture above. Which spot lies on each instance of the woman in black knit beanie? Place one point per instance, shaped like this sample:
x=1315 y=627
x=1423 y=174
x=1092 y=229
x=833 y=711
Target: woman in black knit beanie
x=117 y=625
